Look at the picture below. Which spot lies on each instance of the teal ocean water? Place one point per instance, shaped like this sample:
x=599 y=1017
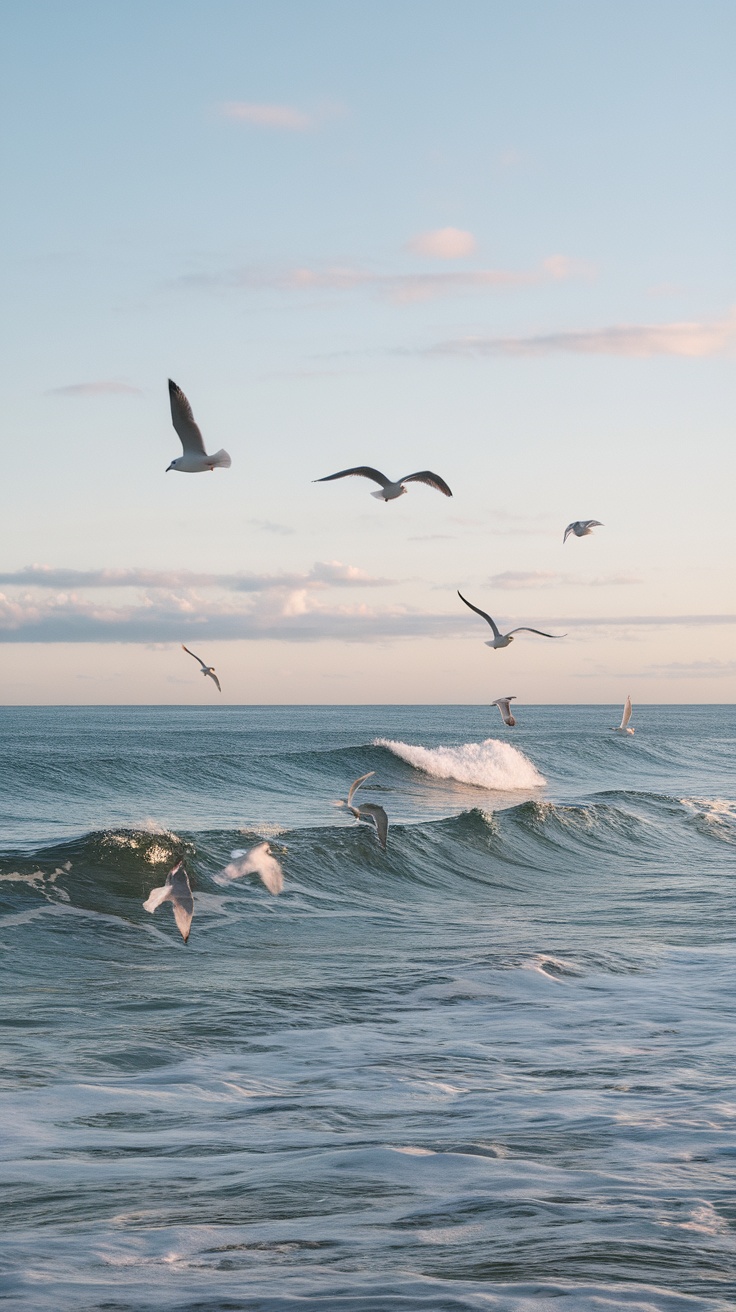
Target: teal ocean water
x=492 y=1068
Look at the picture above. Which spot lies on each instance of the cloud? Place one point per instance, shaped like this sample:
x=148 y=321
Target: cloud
x=444 y=244
x=639 y=341
x=690 y=670
x=284 y=118
x=104 y=387
x=400 y=288
x=513 y=580
x=268 y=526
x=322 y=574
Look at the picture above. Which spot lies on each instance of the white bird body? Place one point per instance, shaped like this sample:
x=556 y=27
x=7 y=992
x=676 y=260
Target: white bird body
x=581 y=528
x=207 y=670
x=195 y=459
x=257 y=860
x=369 y=811
x=176 y=890
x=623 y=727
x=504 y=706
x=389 y=491
x=505 y=639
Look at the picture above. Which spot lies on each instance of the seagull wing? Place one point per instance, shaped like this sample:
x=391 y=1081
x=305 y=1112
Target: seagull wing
x=570 y=529
x=627 y=713
x=363 y=471
x=524 y=629
x=215 y=680
x=503 y=704
x=433 y=480
x=357 y=784
x=181 y=896
x=487 y=618
x=156 y=897
x=379 y=818
x=197 y=658
x=592 y=523
x=183 y=421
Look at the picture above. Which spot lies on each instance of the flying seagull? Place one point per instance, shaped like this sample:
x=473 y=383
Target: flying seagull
x=178 y=891
x=504 y=707
x=369 y=811
x=503 y=639
x=581 y=528
x=258 y=860
x=623 y=727
x=195 y=459
x=206 y=669
x=390 y=491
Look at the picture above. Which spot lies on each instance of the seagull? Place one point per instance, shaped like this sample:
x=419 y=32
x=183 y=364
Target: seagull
x=503 y=705
x=258 y=860
x=195 y=459
x=369 y=811
x=623 y=727
x=206 y=669
x=581 y=528
x=503 y=639
x=390 y=491
x=177 y=890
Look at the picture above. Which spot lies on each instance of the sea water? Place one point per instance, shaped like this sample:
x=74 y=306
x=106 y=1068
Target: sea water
x=491 y=1068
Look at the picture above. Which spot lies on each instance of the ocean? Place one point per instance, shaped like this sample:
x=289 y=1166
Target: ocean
x=492 y=1068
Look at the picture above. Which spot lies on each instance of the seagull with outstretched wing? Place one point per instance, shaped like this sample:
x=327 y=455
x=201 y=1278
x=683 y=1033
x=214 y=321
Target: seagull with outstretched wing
x=581 y=528
x=176 y=890
x=504 y=706
x=195 y=459
x=369 y=811
x=206 y=669
x=623 y=727
x=504 y=639
x=390 y=491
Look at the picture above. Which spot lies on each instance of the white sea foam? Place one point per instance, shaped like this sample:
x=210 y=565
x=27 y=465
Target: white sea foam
x=491 y=764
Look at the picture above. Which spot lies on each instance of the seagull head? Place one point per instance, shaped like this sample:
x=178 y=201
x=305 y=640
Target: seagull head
x=174 y=465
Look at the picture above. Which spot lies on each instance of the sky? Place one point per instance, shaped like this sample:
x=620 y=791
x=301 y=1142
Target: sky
x=494 y=241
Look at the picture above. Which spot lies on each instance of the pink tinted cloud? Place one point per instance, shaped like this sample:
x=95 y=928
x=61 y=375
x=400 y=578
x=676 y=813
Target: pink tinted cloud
x=285 y=118
x=638 y=341
x=444 y=244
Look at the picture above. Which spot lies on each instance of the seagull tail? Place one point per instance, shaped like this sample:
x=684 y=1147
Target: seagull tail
x=221 y=460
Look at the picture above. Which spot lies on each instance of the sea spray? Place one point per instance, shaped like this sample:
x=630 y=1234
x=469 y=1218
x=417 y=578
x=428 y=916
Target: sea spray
x=491 y=764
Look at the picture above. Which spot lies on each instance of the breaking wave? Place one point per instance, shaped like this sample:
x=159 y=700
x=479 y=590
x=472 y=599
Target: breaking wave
x=491 y=764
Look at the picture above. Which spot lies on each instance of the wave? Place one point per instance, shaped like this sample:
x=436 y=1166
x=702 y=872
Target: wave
x=491 y=764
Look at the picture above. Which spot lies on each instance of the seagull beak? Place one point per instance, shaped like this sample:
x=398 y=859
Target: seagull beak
x=168 y=467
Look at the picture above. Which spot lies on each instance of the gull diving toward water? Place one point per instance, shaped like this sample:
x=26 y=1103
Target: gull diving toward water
x=390 y=491
x=178 y=891
x=369 y=811
x=504 y=639
x=623 y=727
x=258 y=860
x=581 y=528
x=206 y=669
x=195 y=459
x=503 y=704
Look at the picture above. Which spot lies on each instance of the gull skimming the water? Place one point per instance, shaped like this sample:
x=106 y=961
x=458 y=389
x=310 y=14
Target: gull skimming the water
x=503 y=704
x=195 y=459
x=390 y=491
x=206 y=669
x=258 y=860
x=178 y=891
x=369 y=811
x=623 y=727
x=503 y=639
x=581 y=528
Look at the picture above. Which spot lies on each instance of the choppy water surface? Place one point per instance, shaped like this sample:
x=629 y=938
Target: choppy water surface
x=492 y=1068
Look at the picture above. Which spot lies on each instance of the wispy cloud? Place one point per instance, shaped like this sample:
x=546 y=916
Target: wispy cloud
x=690 y=670
x=692 y=339
x=515 y=580
x=323 y=574
x=400 y=288
x=103 y=387
x=285 y=118
x=277 y=117
x=268 y=526
x=444 y=244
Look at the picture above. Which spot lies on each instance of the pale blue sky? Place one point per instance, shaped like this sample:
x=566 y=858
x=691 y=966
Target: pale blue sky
x=236 y=195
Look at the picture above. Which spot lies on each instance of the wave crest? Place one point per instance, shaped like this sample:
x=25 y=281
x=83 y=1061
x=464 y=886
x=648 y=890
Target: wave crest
x=491 y=764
